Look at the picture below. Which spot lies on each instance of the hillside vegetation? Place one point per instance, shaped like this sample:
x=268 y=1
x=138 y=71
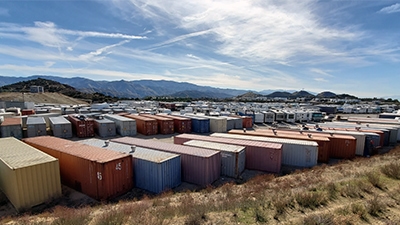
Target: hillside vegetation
x=359 y=191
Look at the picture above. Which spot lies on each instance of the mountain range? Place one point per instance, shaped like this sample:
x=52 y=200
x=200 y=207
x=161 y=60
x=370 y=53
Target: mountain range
x=146 y=88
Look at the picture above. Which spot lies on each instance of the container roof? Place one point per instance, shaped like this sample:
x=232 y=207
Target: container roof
x=11 y=121
x=215 y=146
x=16 y=154
x=267 y=139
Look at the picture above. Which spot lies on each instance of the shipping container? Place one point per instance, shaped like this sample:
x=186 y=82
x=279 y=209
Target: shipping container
x=230 y=122
x=217 y=124
x=298 y=153
x=36 y=126
x=323 y=142
x=373 y=120
x=105 y=127
x=340 y=146
x=124 y=126
x=28 y=177
x=26 y=112
x=46 y=117
x=233 y=157
x=11 y=127
x=269 y=117
x=82 y=125
x=247 y=122
x=258 y=118
x=99 y=173
x=199 y=166
x=144 y=125
x=165 y=125
x=260 y=156
x=181 y=124
x=61 y=127
x=200 y=125
x=8 y=114
x=153 y=170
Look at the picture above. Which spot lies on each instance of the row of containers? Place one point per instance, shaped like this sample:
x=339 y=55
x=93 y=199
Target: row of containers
x=110 y=125
x=31 y=170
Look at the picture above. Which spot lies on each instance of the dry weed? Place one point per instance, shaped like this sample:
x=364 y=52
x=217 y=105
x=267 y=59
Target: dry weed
x=311 y=199
x=375 y=179
x=392 y=170
x=376 y=207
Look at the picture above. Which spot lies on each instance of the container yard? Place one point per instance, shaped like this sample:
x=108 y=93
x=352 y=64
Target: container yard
x=199 y=166
x=28 y=176
x=154 y=171
x=99 y=173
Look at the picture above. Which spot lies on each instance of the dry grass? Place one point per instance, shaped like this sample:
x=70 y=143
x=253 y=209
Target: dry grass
x=350 y=192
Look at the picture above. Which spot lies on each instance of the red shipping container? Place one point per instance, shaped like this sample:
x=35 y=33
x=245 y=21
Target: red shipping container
x=323 y=142
x=260 y=155
x=26 y=112
x=181 y=124
x=144 y=125
x=165 y=125
x=199 y=166
x=99 y=173
x=81 y=125
x=246 y=120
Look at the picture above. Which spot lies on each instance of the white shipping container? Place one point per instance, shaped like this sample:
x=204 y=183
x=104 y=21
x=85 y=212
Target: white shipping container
x=36 y=126
x=258 y=118
x=105 y=127
x=297 y=153
x=233 y=157
x=61 y=127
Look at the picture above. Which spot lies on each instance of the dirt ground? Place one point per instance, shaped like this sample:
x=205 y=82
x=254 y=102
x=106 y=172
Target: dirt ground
x=48 y=98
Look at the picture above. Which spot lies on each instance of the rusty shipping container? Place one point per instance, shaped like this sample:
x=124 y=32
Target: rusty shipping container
x=99 y=173
x=36 y=126
x=199 y=166
x=340 y=146
x=11 y=127
x=233 y=157
x=26 y=112
x=28 y=177
x=181 y=124
x=262 y=156
x=165 y=125
x=82 y=125
x=247 y=121
x=323 y=142
x=144 y=125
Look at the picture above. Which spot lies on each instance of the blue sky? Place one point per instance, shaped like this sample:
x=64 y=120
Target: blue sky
x=340 y=46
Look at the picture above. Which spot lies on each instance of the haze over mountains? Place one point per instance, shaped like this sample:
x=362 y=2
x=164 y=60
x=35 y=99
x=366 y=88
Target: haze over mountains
x=144 y=88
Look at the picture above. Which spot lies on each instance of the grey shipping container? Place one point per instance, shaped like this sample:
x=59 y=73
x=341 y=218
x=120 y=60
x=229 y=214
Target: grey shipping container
x=217 y=124
x=28 y=177
x=11 y=127
x=61 y=127
x=153 y=170
x=233 y=157
x=124 y=126
x=261 y=156
x=105 y=127
x=36 y=126
x=199 y=166
x=298 y=153
x=46 y=117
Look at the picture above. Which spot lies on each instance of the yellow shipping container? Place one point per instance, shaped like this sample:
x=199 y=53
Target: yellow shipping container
x=28 y=177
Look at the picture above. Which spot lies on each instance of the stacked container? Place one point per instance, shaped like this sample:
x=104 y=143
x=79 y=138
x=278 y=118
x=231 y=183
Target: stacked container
x=323 y=142
x=199 y=166
x=260 y=156
x=99 y=173
x=82 y=126
x=165 y=125
x=181 y=124
x=11 y=127
x=61 y=127
x=28 y=177
x=298 y=153
x=144 y=125
x=125 y=126
x=233 y=157
x=154 y=171
x=104 y=127
x=36 y=126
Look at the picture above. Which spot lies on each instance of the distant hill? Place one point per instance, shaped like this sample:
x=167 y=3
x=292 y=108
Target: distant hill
x=279 y=94
x=302 y=94
x=198 y=94
x=326 y=94
x=55 y=87
x=250 y=95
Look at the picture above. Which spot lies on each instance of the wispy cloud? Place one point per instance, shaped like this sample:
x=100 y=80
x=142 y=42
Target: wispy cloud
x=101 y=51
x=390 y=9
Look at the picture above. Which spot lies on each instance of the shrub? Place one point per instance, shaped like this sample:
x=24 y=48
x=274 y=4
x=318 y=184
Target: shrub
x=392 y=170
x=376 y=207
x=375 y=179
x=325 y=219
x=68 y=216
x=311 y=199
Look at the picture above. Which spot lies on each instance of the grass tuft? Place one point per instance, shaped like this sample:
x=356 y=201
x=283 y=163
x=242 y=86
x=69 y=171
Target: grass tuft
x=375 y=179
x=392 y=170
x=311 y=199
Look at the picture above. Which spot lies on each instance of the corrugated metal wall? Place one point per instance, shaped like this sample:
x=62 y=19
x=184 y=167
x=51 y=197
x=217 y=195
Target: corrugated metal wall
x=105 y=128
x=11 y=127
x=144 y=125
x=124 y=126
x=28 y=177
x=61 y=127
x=165 y=125
x=36 y=126
x=181 y=125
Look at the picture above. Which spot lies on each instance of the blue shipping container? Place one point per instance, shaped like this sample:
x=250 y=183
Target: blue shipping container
x=199 y=124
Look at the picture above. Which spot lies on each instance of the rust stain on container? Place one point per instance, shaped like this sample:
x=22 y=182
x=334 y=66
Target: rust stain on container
x=82 y=126
x=323 y=142
x=165 y=125
x=99 y=173
x=144 y=125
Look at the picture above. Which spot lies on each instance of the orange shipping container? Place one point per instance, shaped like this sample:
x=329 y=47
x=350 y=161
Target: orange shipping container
x=323 y=142
x=181 y=124
x=99 y=173
x=144 y=125
x=165 y=125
